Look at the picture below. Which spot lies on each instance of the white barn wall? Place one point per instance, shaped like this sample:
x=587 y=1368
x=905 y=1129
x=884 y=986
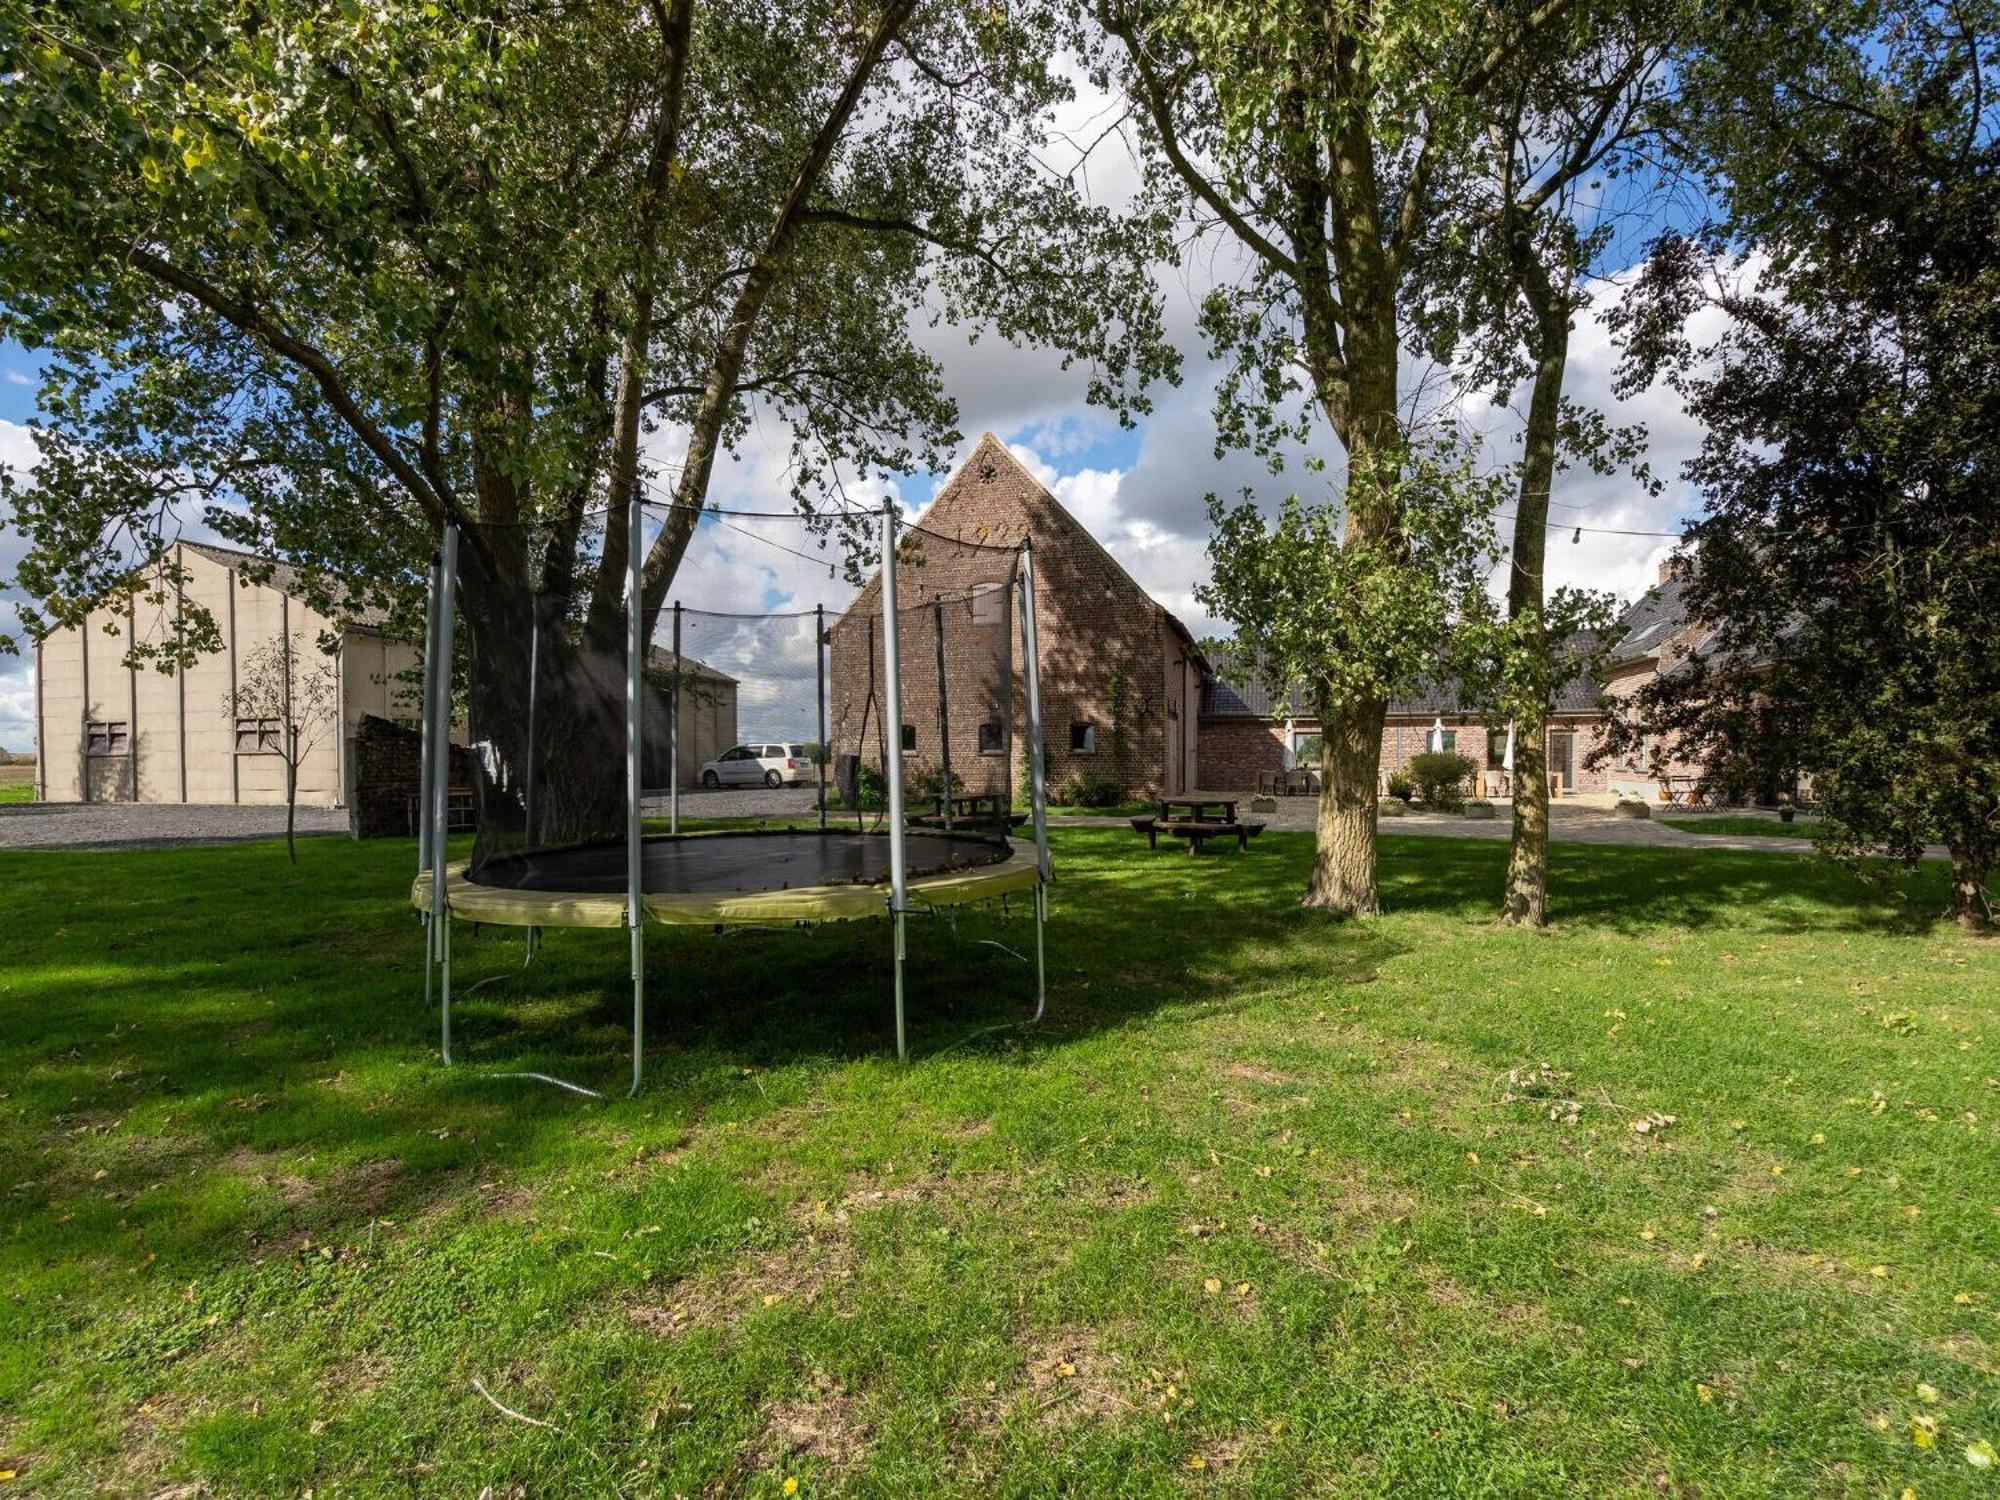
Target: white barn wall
x=182 y=728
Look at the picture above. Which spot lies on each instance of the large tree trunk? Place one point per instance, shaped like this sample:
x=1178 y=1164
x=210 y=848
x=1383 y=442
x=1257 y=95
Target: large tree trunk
x=1343 y=873
x=1969 y=908
x=1526 y=899
x=545 y=708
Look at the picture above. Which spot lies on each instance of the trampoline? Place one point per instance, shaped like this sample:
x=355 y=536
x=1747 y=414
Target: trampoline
x=546 y=696
x=765 y=877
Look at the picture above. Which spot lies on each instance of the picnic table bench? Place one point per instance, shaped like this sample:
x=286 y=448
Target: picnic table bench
x=979 y=810
x=1196 y=819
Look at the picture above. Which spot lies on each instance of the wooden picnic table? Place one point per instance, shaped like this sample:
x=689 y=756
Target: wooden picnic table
x=1196 y=809
x=976 y=810
x=1196 y=819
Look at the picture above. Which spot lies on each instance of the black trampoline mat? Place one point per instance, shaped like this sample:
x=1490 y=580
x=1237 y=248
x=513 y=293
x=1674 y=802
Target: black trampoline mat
x=720 y=863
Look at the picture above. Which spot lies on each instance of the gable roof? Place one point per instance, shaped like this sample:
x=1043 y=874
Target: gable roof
x=1026 y=509
x=1655 y=618
x=663 y=656
x=282 y=576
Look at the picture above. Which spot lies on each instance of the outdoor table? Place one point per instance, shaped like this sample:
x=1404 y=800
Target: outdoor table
x=1195 y=809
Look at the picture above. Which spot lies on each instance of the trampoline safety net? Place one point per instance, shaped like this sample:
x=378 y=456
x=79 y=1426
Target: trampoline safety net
x=744 y=688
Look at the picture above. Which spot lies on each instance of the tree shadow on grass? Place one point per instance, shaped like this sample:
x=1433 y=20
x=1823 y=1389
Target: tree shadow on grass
x=264 y=1023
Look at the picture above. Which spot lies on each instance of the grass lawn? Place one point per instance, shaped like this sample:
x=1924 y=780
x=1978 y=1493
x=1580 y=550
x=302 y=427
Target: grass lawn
x=17 y=784
x=1741 y=826
x=1259 y=1210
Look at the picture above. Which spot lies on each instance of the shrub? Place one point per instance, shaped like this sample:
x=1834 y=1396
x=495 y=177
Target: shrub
x=1392 y=807
x=1479 y=808
x=872 y=792
x=1091 y=789
x=1401 y=787
x=1632 y=807
x=1440 y=776
x=921 y=784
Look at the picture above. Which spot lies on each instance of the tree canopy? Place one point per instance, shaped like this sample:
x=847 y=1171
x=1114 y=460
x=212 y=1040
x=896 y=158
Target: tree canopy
x=333 y=273
x=1849 y=556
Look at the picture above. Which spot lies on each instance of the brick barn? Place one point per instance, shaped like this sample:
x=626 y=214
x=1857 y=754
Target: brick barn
x=1120 y=676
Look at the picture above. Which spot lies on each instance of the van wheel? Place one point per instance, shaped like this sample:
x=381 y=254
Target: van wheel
x=710 y=780
x=772 y=778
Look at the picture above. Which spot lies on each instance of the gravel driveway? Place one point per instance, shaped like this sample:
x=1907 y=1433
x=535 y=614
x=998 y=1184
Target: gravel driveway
x=737 y=802
x=152 y=825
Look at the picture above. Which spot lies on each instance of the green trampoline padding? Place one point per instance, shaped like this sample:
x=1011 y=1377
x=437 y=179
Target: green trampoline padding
x=763 y=877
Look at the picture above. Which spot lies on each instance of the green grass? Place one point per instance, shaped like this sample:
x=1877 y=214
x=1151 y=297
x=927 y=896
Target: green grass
x=1116 y=810
x=1741 y=826
x=1259 y=1172
x=17 y=784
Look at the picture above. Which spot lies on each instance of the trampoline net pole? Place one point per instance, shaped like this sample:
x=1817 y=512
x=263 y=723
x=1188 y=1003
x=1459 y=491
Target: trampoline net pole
x=822 y=752
x=892 y=718
x=635 y=650
x=943 y=716
x=440 y=788
x=674 y=733
x=428 y=749
x=429 y=701
x=1032 y=682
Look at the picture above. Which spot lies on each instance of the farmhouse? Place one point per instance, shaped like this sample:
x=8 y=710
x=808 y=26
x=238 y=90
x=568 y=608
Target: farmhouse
x=1127 y=696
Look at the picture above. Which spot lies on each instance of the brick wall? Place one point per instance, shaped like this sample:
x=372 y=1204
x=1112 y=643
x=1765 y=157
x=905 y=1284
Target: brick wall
x=1232 y=751
x=1104 y=645
x=388 y=777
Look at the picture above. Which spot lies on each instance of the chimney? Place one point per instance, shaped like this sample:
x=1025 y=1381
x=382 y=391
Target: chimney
x=1670 y=565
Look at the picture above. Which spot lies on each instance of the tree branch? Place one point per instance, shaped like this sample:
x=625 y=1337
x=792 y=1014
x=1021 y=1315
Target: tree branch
x=1158 y=106
x=244 y=315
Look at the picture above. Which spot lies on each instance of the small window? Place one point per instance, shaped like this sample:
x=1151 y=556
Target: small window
x=258 y=737
x=909 y=738
x=1450 y=741
x=1083 y=739
x=989 y=606
x=1496 y=749
x=991 y=740
x=108 y=738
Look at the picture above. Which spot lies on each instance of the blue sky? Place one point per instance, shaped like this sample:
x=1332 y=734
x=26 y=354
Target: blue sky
x=1141 y=491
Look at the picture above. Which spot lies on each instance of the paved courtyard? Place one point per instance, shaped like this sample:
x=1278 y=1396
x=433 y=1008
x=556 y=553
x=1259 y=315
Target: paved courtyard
x=1579 y=822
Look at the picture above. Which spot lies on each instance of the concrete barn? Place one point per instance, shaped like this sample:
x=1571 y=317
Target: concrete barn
x=110 y=732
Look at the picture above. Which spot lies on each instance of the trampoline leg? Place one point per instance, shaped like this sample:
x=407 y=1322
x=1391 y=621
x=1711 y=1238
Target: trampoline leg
x=444 y=972
x=1041 y=977
x=902 y=1044
x=638 y=1008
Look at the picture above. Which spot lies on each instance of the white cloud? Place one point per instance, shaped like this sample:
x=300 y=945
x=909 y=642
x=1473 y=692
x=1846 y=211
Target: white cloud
x=17 y=673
